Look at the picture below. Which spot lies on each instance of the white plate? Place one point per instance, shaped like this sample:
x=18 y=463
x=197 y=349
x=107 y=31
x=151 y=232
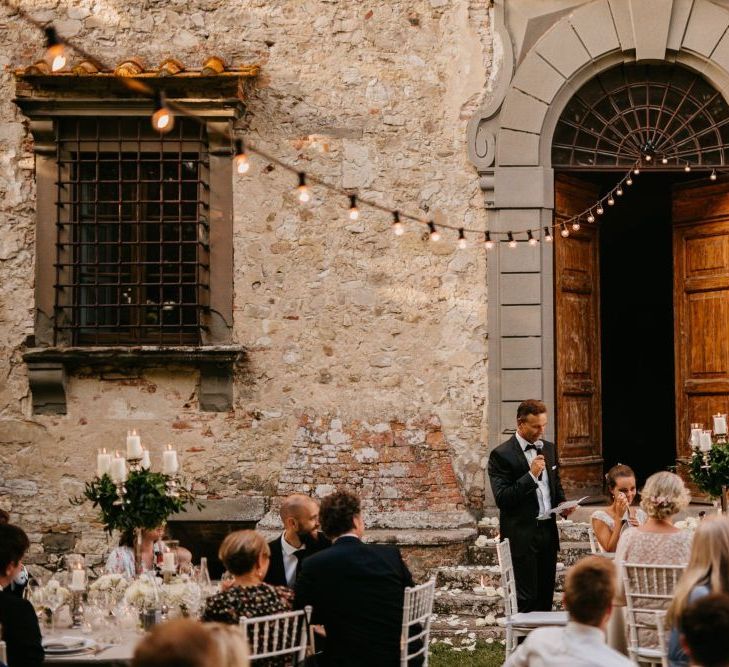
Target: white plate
x=67 y=645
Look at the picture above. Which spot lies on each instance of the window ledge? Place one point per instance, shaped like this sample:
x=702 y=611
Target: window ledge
x=48 y=368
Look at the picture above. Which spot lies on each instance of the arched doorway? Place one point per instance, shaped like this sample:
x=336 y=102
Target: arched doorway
x=641 y=299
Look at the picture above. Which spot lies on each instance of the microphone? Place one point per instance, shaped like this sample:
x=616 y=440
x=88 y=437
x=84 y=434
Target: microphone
x=539 y=444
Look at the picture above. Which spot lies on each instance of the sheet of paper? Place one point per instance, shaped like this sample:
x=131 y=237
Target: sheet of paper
x=566 y=505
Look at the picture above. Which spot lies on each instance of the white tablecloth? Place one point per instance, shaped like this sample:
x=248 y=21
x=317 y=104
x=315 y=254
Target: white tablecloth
x=118 y=654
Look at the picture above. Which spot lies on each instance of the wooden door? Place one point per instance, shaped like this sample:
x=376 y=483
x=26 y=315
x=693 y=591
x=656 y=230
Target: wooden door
x=701 y=305
x=577 y=334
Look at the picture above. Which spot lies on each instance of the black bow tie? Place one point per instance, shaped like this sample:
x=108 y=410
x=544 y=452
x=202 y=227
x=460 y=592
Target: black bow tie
x=531 y=446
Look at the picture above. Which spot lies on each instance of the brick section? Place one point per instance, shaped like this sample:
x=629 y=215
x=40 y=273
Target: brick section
x=394 y=466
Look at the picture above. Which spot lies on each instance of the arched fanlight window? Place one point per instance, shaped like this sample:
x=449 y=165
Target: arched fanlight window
x=663 y=111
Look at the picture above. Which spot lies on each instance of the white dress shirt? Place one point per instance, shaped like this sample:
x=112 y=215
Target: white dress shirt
x=544 y=496
x=289 y=560
x=574 y=645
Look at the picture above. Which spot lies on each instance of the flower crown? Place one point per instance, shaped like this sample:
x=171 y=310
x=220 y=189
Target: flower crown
x=660 y=501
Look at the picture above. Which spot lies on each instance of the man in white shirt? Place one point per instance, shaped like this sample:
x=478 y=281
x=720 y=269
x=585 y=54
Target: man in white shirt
x=588 y=595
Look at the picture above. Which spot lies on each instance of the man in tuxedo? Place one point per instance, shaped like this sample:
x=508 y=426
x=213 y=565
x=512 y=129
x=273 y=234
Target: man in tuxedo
x=18 y=620
x=525 y=482
x=301 y=537
x=356 y=589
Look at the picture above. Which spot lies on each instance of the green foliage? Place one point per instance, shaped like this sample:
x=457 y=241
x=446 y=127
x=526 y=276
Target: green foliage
x=146 y=502
x=710 y=470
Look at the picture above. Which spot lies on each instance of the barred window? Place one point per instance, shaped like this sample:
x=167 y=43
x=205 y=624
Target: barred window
x=132 y=252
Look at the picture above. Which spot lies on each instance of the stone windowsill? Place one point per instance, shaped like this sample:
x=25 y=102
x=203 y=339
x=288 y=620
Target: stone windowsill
x=48 y=368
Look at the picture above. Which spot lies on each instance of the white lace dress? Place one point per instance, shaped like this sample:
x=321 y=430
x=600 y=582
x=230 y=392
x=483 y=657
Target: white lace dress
x=604 y=517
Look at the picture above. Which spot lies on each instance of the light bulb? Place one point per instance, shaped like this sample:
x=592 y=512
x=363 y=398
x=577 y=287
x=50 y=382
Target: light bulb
x=242 y=164
x=636 y=171
x=397 y=226
x=531 y=239
x=610 y=201
x=462 y=242
x=303 y=189
x=664 y=160
x=353 y=210
x=512 y=242
x=628 y=181
x=434 y=233
x=162 y=118
x=687 y=168
x=648 y=157
x=487 y=240
x=619 y=191
x=547 y=235
x=565 y=232
x=599 y=210
x=713 y=175
x=576 y=225
x=55 y=51
x=590 y=218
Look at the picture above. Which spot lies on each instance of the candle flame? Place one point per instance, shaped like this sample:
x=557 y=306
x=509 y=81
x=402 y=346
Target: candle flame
x=103 y=450
x=169 y=448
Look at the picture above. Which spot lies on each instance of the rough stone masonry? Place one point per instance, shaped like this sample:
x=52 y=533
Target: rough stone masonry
x=366 y=353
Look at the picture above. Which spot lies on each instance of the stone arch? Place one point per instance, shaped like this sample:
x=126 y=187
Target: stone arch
x=510 y=139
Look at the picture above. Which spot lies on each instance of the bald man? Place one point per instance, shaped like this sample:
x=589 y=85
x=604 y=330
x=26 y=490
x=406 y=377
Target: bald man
x=301 y=537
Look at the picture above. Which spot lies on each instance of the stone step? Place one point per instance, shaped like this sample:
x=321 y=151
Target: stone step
x=569 y=531
x=465 y=577
x=466 y=603
x=458 y=628
x=569 y=554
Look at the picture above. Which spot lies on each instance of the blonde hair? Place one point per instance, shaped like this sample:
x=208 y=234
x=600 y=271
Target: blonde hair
x=231 y=643
x=178 y=643
x=708 y=564
x=241 y=550
x=664 y=495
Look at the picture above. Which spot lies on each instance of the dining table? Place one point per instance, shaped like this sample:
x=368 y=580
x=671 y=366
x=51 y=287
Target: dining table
x=116 y=654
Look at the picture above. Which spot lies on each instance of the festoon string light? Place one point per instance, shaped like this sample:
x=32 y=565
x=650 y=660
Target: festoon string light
x=57 y=48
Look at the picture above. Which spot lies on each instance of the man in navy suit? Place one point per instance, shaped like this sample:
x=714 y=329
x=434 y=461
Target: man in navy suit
x=524 y=476
x=356 y=589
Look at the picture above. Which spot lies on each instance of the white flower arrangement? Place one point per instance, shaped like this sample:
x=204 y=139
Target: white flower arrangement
x=144 y=592
x=115 y=584
x=690 y=523
x=182 y=593
x=53 y=589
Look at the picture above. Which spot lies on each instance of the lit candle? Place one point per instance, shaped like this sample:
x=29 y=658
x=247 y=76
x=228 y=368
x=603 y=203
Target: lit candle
x=720 y=424
x=78 y=579
x=118 y=469
x=103 y=463
x=695 y=435
x=705 y=442
x=169 y=461
x=168 y=561
x=134 y=445
x=146 y=463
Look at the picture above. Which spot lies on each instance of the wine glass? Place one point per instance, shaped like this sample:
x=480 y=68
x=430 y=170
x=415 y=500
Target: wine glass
x=35 y=594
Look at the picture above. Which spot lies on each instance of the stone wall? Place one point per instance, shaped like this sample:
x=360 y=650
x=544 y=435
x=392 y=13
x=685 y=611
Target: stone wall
x=343 y=323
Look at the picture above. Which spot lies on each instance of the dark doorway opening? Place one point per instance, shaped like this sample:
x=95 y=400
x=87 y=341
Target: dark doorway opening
x=637 y=334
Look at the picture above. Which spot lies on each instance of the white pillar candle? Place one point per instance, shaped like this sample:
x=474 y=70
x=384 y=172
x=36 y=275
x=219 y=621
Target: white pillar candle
x=705 y=443
x=118 y=469
x=103 y=463
x=720 y=424
x=146 y=463
x=134 y=446
x=168 y=561
x=696 y=437
x=169 y=461
x=78 y=579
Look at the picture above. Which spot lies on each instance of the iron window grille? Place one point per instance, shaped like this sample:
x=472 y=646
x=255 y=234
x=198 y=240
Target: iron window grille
x=633 y=110
x=132 y=245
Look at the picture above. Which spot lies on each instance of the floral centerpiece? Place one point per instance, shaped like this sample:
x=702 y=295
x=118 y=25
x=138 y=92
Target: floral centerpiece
x=180 y=594
x=113 y=584
x=709 y=464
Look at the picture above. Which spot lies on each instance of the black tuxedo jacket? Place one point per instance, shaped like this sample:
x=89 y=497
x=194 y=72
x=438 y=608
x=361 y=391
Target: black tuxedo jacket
x=515 y=493
x=20 y=631
x=356 y=591
x=276 y=575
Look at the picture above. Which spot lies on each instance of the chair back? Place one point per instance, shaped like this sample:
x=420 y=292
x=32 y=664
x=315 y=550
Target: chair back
x=508 y=582
x=595 y=547
x=417 y=610
x=649 y=590
x=276 y=635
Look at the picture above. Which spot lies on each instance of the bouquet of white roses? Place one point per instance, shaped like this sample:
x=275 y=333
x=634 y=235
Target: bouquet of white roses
x=144 y=592
x=113 y=584
x=182 y=593
x=53 y=590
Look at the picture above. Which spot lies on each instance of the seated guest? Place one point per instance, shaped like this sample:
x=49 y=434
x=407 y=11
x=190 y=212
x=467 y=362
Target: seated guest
x=187 y=643
x=246 y=556
x=121 y=559
x=609 y=524
x=588 y=597
x=356 y=589
x=19 y=622
x=656 y=542
x=705 y=631
x=301 y=537
x=707 y=572
x=17 y=586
